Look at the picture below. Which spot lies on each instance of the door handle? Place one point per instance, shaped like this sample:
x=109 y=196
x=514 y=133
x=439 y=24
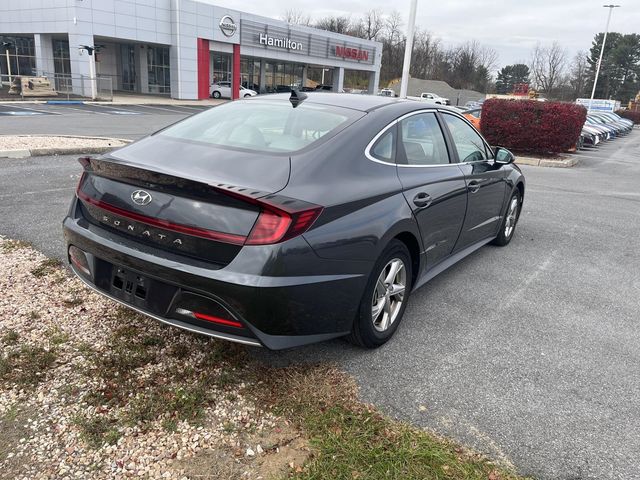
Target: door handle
x=422 y=200
x=473 y=186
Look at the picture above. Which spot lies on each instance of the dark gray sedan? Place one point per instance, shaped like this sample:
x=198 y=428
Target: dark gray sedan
x=289 y=219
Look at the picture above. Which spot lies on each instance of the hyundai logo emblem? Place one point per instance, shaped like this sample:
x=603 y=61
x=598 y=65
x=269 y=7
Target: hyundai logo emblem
x=140 y=197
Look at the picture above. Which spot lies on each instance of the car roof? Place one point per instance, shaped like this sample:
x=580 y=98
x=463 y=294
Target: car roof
x=363 y=103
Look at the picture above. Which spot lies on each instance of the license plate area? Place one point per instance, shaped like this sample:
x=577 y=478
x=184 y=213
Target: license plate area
x=129 y=286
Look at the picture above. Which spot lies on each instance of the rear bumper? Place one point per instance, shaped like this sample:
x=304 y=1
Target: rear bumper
x=267 y=288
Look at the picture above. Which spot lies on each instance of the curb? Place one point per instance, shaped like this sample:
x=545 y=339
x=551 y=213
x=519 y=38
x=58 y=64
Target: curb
x=543 y=162
x=49 y=151
x=43 y=152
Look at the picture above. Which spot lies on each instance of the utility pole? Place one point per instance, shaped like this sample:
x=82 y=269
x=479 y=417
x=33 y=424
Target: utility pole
x=604 y=41
x=406 y=66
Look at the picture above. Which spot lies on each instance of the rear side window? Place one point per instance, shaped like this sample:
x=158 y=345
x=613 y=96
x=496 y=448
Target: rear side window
x=422 y=141
x=385 y=148
x=271 y=126
x=468 y=143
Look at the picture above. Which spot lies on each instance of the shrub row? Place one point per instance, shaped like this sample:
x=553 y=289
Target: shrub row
x=530 y=126
x=631 y=115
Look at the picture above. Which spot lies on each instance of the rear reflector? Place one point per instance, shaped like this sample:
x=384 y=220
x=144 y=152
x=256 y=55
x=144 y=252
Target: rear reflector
x=79 y=260
x=209 y=318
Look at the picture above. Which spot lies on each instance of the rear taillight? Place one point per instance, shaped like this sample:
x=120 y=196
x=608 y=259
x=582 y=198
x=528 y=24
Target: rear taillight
x=280 y=218
x=274 y=225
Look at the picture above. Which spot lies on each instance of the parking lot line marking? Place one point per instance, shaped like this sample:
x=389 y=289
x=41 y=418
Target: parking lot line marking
x=82 y=110
x=197 y=109
x=172 y=110
x=19 y=111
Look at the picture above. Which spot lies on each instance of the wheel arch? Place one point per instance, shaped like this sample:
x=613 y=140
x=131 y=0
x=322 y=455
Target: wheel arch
x=412 y=244
x=520 y=187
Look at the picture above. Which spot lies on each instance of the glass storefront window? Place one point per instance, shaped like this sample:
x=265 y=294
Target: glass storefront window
x=22 y=57
x=61 y=65
x=250 y=73
x=221 y=67
x=158 y=69
x=128 y=63
x=281 y=76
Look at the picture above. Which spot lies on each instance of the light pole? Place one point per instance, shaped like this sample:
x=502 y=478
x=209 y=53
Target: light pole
x=6 y=46
x=92 y=68
x=408 y=48
x=604 y=41
x=323 y=70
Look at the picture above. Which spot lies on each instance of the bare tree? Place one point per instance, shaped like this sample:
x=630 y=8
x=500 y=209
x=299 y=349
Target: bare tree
x=296 y=17
x=579 y=74
x=487 y=58
x=336 y=24
x=393 y=27
x=370 y=26
x=547 y=66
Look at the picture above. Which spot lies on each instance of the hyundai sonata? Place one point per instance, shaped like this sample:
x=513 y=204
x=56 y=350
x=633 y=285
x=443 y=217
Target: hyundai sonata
x=291 y=219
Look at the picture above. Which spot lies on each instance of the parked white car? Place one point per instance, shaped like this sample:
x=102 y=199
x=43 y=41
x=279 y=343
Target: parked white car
x=223 y=90
x=433 y=98
x=387 y=92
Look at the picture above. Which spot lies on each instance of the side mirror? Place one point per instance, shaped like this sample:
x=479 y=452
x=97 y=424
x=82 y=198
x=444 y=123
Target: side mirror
x=503 y=156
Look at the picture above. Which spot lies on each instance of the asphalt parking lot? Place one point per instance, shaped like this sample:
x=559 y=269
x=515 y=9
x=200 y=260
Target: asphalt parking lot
x=529 y=353
x=122 y=121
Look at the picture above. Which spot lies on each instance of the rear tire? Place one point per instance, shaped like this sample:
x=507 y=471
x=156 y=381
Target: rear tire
x=510 y=220
x=216 y=94
x=385 y=298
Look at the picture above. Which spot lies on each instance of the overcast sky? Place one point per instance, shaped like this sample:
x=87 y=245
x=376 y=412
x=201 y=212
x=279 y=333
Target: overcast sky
x=511 y=27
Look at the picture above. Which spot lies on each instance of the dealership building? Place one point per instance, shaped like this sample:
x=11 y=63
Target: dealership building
x=175 y=47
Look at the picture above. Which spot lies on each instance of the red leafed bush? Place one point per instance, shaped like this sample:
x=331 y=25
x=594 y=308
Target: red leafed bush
x=631 y=115
x=531 y=126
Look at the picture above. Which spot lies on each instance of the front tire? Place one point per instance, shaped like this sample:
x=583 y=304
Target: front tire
x=216 y=95
x=385 y=298
x=508 y=225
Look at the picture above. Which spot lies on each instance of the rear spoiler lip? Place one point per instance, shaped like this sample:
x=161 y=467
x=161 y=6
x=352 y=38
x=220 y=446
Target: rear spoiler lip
x=89 y=162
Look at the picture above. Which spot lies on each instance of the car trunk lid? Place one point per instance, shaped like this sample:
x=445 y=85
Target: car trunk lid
x=179 y=197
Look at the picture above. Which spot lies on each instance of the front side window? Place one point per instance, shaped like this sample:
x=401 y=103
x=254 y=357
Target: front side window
x=269 y=126
x=422 y=141
x=468 y=143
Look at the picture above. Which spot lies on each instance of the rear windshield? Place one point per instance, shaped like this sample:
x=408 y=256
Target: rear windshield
x=273 y=126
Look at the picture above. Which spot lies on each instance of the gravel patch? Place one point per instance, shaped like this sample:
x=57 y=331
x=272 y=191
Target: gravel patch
x=28 y=142
x=91 y=390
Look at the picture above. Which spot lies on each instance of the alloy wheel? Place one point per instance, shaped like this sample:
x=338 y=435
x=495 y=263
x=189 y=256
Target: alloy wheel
x=388 y=294
x=512 y=215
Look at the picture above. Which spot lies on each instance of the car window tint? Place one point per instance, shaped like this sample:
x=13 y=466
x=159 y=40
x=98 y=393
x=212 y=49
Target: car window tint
x=263 y=125
x=422 y=140
x=468 y=143
x=384 y=148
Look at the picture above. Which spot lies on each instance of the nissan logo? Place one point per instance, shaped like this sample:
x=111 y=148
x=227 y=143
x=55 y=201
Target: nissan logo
x=228 y=26
x=140 y=197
